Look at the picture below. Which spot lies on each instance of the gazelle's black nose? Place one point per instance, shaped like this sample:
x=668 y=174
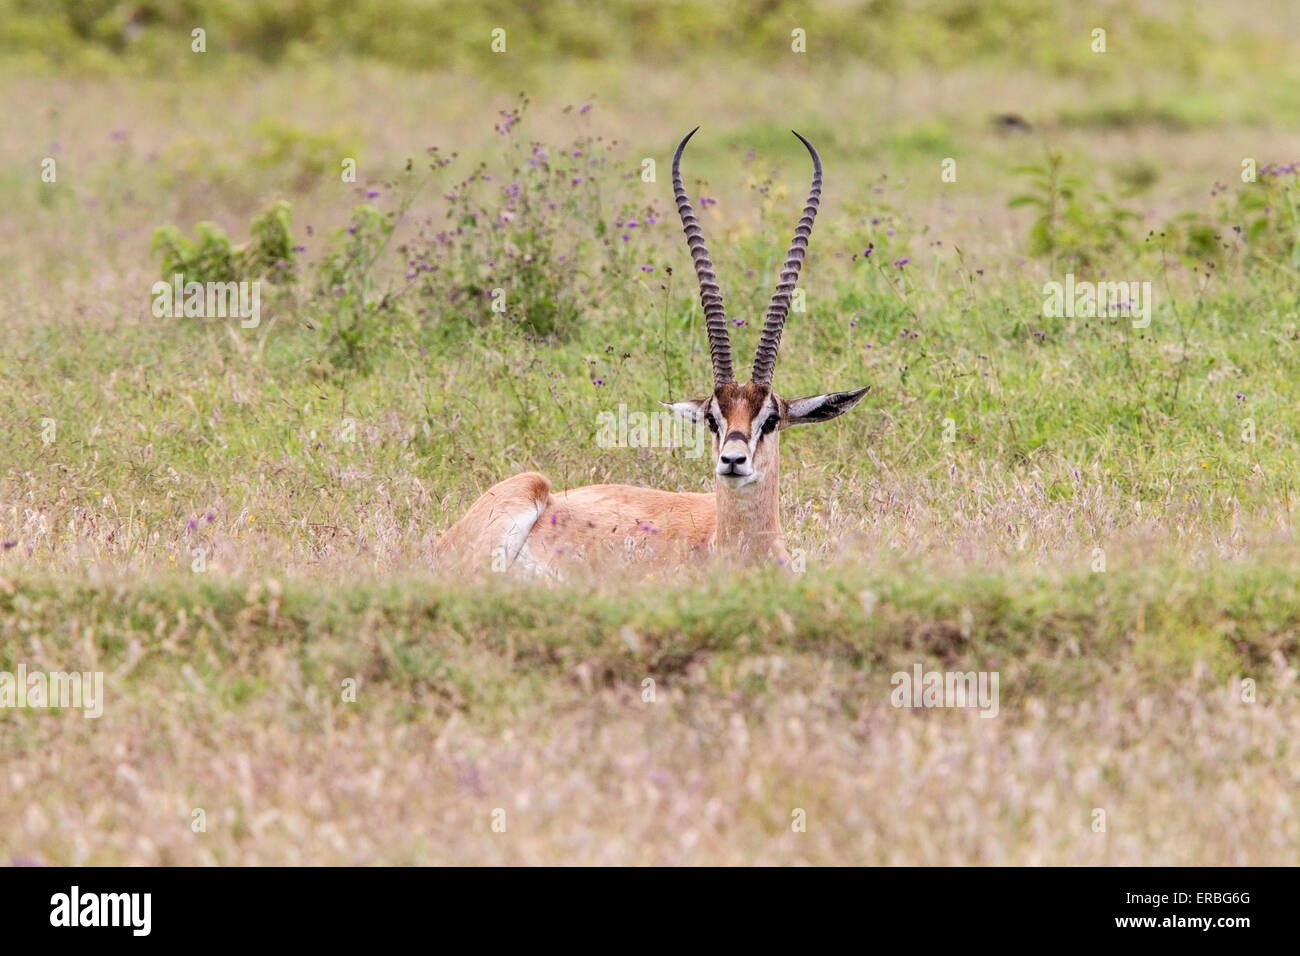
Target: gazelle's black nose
x=732 y=460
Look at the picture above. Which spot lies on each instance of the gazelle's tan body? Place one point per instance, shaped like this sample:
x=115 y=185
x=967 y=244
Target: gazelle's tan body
x=522 y=524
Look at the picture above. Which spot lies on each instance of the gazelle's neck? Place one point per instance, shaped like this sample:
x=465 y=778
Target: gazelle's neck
x=749 y=518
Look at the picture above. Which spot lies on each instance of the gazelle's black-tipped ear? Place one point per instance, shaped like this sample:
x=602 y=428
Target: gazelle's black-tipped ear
x=822 y=408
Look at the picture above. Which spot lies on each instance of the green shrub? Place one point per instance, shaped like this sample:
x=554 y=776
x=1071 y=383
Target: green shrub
x=1073 y=224
x=211 y=257
x=353 y=314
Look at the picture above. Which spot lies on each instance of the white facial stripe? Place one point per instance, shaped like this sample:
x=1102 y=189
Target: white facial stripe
x=756 y=426
x=755 y=433
x=716 y=410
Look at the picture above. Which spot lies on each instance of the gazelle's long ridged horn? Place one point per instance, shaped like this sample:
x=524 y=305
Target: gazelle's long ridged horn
x=770 y=342
x=715 y=319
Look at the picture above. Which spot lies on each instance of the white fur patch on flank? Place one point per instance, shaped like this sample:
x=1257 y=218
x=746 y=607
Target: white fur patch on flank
x=526 y=563
x=515 y=539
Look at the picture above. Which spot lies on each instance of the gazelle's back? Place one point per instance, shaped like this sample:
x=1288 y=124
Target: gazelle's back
x=520 y=521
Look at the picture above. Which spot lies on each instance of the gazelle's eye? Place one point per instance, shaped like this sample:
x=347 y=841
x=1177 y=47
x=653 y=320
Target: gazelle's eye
x=771 y=423
x=711 y=422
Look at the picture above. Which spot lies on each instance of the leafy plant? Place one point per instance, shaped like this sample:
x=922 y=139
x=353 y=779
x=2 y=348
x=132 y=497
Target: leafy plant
x=530 y=243
x=271 y=251
x=1268 y=214
x=512 y=248
x=354 y=314
x=1071 y=223
x=1263 y=216
x=208 y=257
x=211 y=257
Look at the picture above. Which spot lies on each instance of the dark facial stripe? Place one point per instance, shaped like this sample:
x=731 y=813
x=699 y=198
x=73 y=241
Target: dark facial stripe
x=736 y=436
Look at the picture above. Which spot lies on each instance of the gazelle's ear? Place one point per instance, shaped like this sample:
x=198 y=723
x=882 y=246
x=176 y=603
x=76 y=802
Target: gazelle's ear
x=692 y=410
x=822 y=408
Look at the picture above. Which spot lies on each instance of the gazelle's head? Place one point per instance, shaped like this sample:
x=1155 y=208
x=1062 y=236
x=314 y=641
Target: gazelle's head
x=745 y=420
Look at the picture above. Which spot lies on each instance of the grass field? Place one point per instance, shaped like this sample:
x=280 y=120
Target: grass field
x=236 y=525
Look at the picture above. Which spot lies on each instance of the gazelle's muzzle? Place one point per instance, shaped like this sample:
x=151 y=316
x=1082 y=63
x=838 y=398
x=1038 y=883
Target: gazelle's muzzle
x=733 y=458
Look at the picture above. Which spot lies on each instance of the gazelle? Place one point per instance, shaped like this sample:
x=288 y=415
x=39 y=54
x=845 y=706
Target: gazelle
x=521 y=522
